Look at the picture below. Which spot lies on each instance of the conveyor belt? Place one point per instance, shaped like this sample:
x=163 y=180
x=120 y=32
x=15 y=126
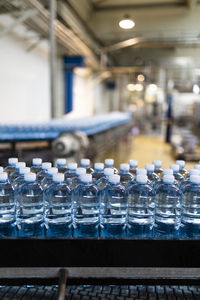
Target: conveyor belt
x=52 y=129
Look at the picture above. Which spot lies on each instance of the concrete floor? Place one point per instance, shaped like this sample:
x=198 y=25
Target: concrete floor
x=144 y=149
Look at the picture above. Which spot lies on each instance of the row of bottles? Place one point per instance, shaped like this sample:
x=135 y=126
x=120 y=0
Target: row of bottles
x=68 y=200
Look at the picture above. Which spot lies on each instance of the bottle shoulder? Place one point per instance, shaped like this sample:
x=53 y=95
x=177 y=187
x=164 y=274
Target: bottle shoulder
x=167 y=188
x=140 y=188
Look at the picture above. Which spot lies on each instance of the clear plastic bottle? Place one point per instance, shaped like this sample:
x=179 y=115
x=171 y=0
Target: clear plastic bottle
x=98 y=171
x=30 y=207
x=113 y=208
x=125 y=175
x=182 y=169
x=20 y=180
x=36 y=165
x=7 y=207
x=141 y=207
x=48 y=180
x=196 y=167
x=190 y=214
x=139 y=171
x=85 y=163
x=103 y=181
x=71 y=172
x=178 y=177
x=86 y=208
x=167 y=208
x=109 y=163
x=159 y=182
x=158 y=167
x=15 y=174
x=12 y=161
x=133 y=167
x=152 y=176
x=76 y=180
x=58 y=208
x=42 y=174
x=61 y=164
x=187 y=179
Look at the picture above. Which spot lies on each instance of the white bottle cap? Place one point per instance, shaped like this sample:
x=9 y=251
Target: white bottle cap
x=52 y=171
x=80 y=171
x=85 y=162
x=124 y=167
x=23 y=171
x=1 y=169
x=58 y=177
x=3 y=176
x=181 y=163
x=194 y=172
x=61 y=162
x=157 y=163
x=175 y=168
x=197 y=167
x=168 y=179
x=195 y=179
x=141 y=179
x=150 y=167
x=12 y=160
x=46 y=165
x=108 y=171
x=167 y=172
x=86 y=178
x=109 y=162
x=72 y=166
x=141 y=172
x=99 y=166
x=133 y=163
x=30 y=177
x=36 y=161
x=114 y=179
x=20 y=165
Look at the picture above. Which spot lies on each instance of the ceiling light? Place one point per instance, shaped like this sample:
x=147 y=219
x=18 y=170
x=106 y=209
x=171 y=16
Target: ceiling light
x=131 y=87
x=153 y=87
x=139 y=87
x=126 y=23
x=140 y=77
x=196 y=89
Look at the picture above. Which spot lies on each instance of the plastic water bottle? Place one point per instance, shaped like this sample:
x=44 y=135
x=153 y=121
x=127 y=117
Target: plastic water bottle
x=30 y=207
x=197 y=167
x=182 y=169
x=139 y=171
x=109 y=163
x=85 y=163
x=190 y=214
x=152 y=176
x=160 y=181
x=12 y=161
x=179 y=178
x=36 y=165
x=76 y=180
x=141 y=207
x=7 y=207
x=125 y=175
x=2 y=170
x=48 y=180
x=86 y=208
x=187 y=179
x=133 y=167
x=61 y=164
x=113 y=208
x=71 y=172
x=158 y=167
x=15 y=174
x=58 y=208
x=103 y=181
x=167 y=208
x=42 y=174
x=98 y=171
x=20 y=179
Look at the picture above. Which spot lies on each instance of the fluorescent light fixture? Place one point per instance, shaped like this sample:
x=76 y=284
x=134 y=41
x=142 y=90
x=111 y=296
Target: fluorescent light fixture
x=196 y=89
x=126 y=23
x=131 y=87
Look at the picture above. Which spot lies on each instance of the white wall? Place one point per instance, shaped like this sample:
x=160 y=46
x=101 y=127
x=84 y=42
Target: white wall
x=24 y=81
